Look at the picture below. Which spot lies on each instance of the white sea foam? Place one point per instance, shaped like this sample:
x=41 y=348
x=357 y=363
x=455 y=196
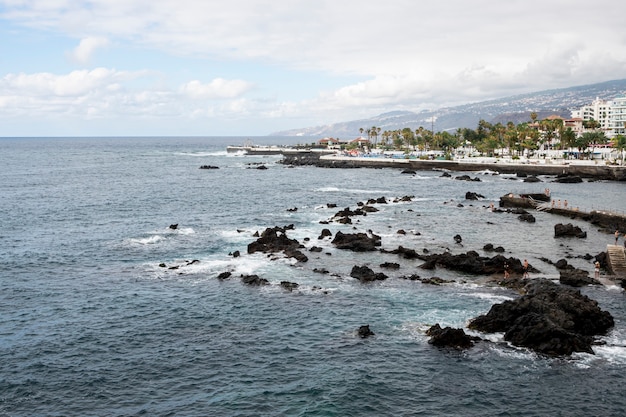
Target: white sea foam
x=498 y=298
x=236 y=154
x=487 y=172
x=202 y=154
x=185 y=231
x=150 y=240
x=348 y=190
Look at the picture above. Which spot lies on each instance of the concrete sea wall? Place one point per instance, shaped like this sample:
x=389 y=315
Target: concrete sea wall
x=608 y=172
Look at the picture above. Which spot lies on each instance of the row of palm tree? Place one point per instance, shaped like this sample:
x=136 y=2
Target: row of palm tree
x=487 y=138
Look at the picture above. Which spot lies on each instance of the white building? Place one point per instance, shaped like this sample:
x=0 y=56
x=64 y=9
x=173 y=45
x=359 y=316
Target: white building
x=617 y=121
x=610 y=115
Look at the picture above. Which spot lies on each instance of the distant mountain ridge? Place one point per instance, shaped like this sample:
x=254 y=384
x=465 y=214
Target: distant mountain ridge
x=516 y=109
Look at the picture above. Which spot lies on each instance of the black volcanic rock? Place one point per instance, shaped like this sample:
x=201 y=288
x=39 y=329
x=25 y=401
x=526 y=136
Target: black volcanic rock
x=576 y=278
x=473 y=196
x=568 y=179
x=472 y=263
x=364 y=331
x=289 y=286
x=550 y=319
x=568 y=230
x=527 y=218
x=274 y=240
x=356 y=242
x=254 y=280
x=365 y=274
x=449 y=337
x=404 y=252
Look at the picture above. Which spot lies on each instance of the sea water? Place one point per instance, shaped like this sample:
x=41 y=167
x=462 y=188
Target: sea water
x=107 y=311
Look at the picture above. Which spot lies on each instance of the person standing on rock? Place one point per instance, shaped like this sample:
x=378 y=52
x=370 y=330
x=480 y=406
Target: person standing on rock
x=506 y=270
x=597 y=270
x=525 y=268
x=616 y=236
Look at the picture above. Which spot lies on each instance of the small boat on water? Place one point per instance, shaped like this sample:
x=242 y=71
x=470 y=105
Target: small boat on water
x=526 y=200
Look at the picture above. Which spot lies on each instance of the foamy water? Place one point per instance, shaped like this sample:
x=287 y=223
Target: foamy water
x=107 y=311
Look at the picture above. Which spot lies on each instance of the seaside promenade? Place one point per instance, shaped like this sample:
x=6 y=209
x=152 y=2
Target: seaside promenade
x=586 y=169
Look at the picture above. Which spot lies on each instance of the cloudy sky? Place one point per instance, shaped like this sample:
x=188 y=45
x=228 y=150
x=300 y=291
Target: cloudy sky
x=252 y=67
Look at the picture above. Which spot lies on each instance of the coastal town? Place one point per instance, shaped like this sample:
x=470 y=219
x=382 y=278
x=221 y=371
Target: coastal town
x=595 y=135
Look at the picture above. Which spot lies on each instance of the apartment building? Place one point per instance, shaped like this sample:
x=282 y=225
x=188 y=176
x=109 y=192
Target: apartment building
x=610 y=116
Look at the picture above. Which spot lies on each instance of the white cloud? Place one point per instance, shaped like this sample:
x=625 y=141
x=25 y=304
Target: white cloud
x=76 y=83
x=83 y=53
x=219 y=88
x=113 y=94
x=404 y=53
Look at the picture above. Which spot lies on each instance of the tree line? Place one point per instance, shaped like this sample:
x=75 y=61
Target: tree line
x=491 y=139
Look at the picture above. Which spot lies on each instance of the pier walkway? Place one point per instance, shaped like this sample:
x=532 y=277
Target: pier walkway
x=607 y=219
x=616 y=260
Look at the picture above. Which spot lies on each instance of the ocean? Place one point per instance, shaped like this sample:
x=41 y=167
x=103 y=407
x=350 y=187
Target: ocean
x=93 y=324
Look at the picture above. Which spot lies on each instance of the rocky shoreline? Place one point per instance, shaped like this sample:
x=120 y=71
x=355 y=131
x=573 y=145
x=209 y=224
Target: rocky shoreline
x=596 y=172
x=549 y=318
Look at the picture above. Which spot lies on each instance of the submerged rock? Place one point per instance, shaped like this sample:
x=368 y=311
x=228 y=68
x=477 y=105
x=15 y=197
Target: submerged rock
x=254 y=280
x=289 y=286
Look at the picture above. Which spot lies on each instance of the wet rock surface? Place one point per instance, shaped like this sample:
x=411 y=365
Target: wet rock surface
x=549 y=319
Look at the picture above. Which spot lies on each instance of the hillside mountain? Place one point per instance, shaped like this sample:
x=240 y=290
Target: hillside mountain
x=516 y=109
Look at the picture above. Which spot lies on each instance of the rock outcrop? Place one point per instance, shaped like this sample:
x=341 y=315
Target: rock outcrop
x=472 y=263
x=274 y=240
x=366 y=274
x=549 y=319
x=449 y=337
x=568 y=230
x=356 y=242
x=364 y=331
x=576 y=277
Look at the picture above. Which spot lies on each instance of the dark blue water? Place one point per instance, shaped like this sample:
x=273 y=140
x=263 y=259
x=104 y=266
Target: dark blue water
x=91 y=325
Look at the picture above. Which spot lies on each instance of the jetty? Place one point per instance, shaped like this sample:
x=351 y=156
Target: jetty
x=606 y=219
x=256 y=150
x=616 y=260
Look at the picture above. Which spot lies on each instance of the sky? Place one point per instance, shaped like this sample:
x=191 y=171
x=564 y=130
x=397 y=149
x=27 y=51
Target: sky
x=253 y=67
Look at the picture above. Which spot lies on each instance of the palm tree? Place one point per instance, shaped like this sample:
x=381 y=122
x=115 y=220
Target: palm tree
x=568 y=137
x=373 y=133
x=589 y=138
x=619 y=143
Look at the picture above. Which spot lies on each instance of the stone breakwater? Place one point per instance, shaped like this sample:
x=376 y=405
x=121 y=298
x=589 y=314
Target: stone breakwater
x=604 y=172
